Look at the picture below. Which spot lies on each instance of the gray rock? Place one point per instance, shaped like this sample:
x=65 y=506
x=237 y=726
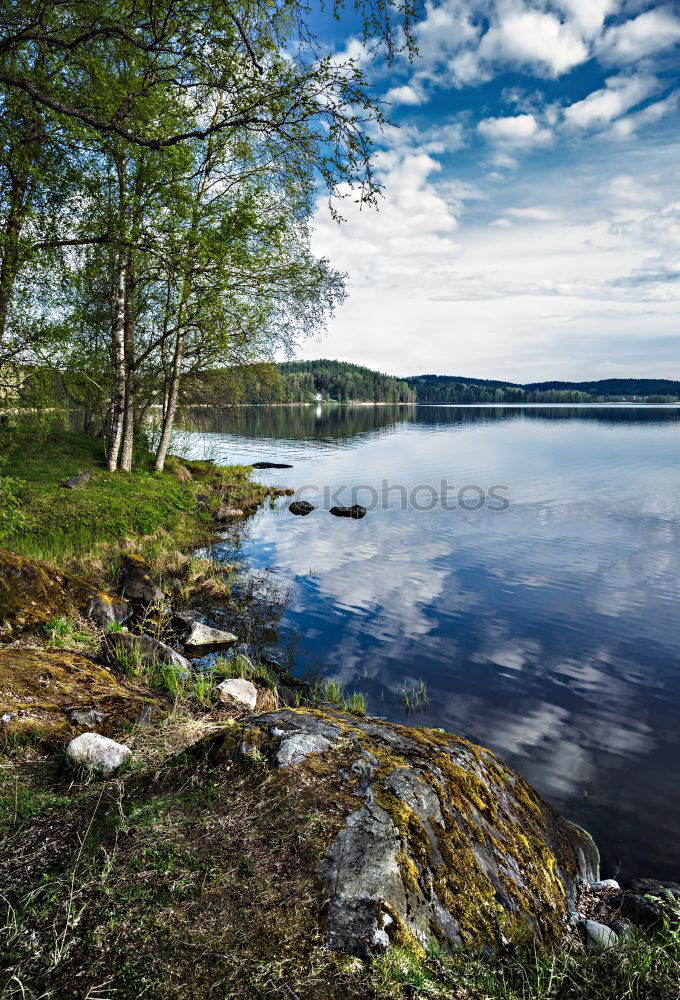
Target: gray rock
x=597 y=937
x=98 y=753
x=301 y=507
x=225 y=514
x=604 y=884
x=136 y=583
x=447 y=836
x=363 y=879
x=199 y=635
x=85 y=716
x=238 y=691
x=636 y=906
x=71 y=484
x=293 y=749
x=7 y=717
x=149 y=652
x=104 y=610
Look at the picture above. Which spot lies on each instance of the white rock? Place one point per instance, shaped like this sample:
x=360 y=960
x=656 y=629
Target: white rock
x=238 y=690
x=97 y=752
x=199 y=634
x=295 y=748
x=605 y=883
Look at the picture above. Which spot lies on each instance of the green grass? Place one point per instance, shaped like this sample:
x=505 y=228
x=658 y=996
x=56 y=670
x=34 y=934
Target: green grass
x=415 y=697
x=646 y=966
x=54 y=524
x=66 y=632
x=332 y=691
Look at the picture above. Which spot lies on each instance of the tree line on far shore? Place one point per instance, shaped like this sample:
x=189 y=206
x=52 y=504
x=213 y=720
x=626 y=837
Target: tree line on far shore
x=342 y=382
x=159 y=166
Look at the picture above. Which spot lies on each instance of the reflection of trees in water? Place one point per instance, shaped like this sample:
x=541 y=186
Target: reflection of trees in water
x=338 y=422
x=297 y=422
x=447 y=415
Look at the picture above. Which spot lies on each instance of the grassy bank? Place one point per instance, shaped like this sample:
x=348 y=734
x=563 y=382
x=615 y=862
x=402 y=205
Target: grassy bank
x=179 y=879
x=78 y=527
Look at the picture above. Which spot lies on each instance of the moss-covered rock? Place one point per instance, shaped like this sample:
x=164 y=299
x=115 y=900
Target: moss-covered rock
x=33 y=592
x=445 y=841
x=51 y=696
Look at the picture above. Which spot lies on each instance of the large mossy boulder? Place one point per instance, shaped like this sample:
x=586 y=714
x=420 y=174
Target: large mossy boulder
x=441 y=838
x=50 y=696
x=32 y=593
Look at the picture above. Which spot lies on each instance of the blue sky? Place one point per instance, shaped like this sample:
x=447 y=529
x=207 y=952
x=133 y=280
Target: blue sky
x=530 y=224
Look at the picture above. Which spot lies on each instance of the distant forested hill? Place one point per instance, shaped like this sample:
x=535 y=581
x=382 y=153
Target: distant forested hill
x=339 y=381
x=457 y=389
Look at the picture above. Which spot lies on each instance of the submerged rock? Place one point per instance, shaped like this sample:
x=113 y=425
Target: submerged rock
x=123 y=648
x=98 y=753
x=440 y=837
x=270 y=465
x=356 y=511
x=136 y=583
x=238 y=691
x=199 y=636
x=302 y=507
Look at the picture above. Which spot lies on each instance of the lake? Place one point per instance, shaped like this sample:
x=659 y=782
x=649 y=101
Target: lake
x=522 y=563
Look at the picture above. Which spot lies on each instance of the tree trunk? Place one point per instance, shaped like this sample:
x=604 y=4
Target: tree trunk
x=10 y=256
x=127 y=449
x=119 y=390
x=173 y=398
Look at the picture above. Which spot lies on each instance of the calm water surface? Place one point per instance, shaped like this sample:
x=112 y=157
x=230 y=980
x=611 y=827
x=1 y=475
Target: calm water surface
x=548 y=631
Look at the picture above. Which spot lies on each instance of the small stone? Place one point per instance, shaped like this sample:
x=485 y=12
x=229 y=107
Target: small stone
x=98 y=753
x=295 y=748
x=598 y=936
x=199 y=634
x=85 y=717
x=605 y=883
x=104 y=610
x=302 y=507
x=225 y=514
x=356 y=511
x=7 y=717
x=239 y=691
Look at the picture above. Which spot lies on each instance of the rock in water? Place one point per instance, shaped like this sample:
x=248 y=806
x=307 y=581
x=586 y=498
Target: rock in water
x=356 y=511
x=136 y=583
x=238 y=691
x=302 y=507
x=270 y=465
x=98 y=753
x=440 y=837
x=144 y=651
x=199 y=635
x=225 y=514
